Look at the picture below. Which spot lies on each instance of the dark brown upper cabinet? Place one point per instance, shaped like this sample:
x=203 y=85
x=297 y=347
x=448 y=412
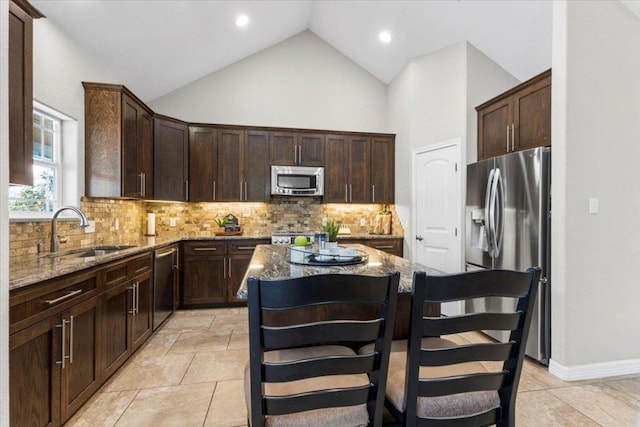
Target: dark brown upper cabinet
x=348 y=168
x=296 y=148
x=382 y=169
x=21 y=15
x=170 y=159
x=517 y=119
x=203 y=163
x=118 y=143
x=243 y=165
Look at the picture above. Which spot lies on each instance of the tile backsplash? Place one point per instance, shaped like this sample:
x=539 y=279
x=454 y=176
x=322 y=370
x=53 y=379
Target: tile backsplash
x=191 y=220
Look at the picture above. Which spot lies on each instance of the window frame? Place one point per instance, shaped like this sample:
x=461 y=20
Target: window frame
x=58 y=119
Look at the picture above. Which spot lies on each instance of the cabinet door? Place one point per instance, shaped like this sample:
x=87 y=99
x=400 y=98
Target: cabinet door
x=311 y=149
x=256 y=176
x=204 y=280
x=203 y=163
x=283 y=148
x=170 y=144
x=142 y=317
x=117 y=304
x=532 y=116
x=359 y=166
x=81 y=375
x=20 y=96
x=335 y=172
x=34 y=374
x=229 y=165
x=494 y=123
x=131 y=180
x=382 y=169
x=145 y=152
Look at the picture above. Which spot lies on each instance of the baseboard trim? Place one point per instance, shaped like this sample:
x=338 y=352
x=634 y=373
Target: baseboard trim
x=594 y=370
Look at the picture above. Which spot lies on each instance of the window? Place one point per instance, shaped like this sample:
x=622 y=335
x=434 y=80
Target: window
x=44 y=195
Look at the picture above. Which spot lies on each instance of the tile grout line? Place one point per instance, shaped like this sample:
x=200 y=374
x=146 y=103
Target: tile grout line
x=125 y=409
x=206 y=415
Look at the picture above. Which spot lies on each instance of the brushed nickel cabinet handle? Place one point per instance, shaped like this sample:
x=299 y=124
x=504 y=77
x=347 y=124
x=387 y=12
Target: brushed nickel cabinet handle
x=350 y=193
x=246 y=196
x=164 y=254
x=507 y=138
x=295 y=154
x=205 y=249
x=386 y=246
x=186 y=186
x=373 y=192
x=346 y=192
x=64 y=339
x=224 y=266
x=63 y=297
x=214 y=189
x=300 y=155
x=246 y=248
x=70 y=339
x=513 y=137
x=133 y=299
x=229 y=261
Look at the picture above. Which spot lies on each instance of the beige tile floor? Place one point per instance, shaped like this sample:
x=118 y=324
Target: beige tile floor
x=189 y=373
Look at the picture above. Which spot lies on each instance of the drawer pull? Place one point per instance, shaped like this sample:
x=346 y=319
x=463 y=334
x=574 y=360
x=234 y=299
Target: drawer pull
x=384 y=247
x=63 y=297
x=204 y=249
x=246 y=248
x=167 y=253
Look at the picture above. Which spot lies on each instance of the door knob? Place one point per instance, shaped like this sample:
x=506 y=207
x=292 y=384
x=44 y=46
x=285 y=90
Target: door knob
x=419 y=238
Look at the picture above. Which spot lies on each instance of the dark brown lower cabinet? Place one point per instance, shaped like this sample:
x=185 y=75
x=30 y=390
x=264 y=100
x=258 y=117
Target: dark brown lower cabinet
x=81 y=373
x=212 y=271
x=69 y=334
x=34 y=377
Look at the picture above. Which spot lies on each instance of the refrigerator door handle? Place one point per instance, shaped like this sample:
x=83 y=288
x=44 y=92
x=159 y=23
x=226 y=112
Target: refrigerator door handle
x=498 y=214
x=488 y=210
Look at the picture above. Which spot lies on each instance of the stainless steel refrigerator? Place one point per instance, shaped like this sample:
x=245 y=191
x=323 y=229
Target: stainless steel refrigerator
x=508 y=226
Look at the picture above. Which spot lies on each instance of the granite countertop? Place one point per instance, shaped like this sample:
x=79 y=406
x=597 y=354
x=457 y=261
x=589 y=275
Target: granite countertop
x=270 y=262
x=34 y=269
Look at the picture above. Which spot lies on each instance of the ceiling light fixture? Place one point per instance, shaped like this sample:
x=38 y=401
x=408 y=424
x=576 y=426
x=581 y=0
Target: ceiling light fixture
x=385 y=37
x=242 y=21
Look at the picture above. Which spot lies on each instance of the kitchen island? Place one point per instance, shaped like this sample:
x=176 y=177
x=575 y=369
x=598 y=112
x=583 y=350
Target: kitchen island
x=270 y=262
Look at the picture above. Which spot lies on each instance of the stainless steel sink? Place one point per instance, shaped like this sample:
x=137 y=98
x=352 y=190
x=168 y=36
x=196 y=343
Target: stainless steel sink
x=101 y=250
x=88 y=252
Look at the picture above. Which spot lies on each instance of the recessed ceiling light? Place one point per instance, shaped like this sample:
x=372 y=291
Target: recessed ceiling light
x=385 y=37
x=242 y=20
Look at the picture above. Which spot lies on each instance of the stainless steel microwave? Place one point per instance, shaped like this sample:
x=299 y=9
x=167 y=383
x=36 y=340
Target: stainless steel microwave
x=297 y=181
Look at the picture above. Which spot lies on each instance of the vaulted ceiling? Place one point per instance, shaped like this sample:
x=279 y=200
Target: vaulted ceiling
x=159 y=46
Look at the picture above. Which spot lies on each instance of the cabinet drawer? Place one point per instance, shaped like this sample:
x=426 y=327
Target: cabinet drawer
x=141 y=264
x=245 y=246
x=205 y=248
x=28 y=306
x=392 y=246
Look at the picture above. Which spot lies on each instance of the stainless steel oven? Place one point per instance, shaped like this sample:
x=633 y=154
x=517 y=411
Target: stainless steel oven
x=297 y=181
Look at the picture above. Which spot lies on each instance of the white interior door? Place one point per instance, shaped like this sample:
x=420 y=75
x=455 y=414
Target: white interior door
x=437 y=212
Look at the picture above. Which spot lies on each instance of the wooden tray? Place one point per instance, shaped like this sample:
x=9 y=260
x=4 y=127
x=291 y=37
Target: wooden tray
x=230 y=233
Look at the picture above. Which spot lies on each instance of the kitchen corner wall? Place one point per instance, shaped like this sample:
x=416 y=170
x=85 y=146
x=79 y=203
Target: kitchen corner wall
x=192 y=220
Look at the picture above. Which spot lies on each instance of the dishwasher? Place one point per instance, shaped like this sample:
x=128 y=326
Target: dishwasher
x=164 y=273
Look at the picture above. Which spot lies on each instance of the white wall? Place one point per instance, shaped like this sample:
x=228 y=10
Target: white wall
x=433 y=100
x=4 y=215
x=301 y=82
x=59 y=67
x=596 y=134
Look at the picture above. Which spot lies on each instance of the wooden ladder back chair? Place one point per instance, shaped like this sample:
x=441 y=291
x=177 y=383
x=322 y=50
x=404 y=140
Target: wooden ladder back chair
x=306 y=372
x=437 y=391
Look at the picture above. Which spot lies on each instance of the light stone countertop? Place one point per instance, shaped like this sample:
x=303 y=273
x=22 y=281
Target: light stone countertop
x=35 y=269
x=270 y=262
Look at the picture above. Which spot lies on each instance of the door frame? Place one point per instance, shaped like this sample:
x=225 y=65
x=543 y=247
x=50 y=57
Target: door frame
x=457 y=143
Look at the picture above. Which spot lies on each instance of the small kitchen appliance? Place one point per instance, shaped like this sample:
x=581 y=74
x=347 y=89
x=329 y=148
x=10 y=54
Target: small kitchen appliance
x=287 y=237
x=297 y=181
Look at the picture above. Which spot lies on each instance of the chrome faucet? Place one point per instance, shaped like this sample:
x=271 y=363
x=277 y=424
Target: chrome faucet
x=54 y=224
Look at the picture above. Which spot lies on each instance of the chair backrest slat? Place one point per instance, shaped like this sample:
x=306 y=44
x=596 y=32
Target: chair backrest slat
x=291 y=371
x=433 y=387
x=306 y=334
x=316 y=399
x=434 y=327
x=316 y=315
x=467 y=353
x=441 y=356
